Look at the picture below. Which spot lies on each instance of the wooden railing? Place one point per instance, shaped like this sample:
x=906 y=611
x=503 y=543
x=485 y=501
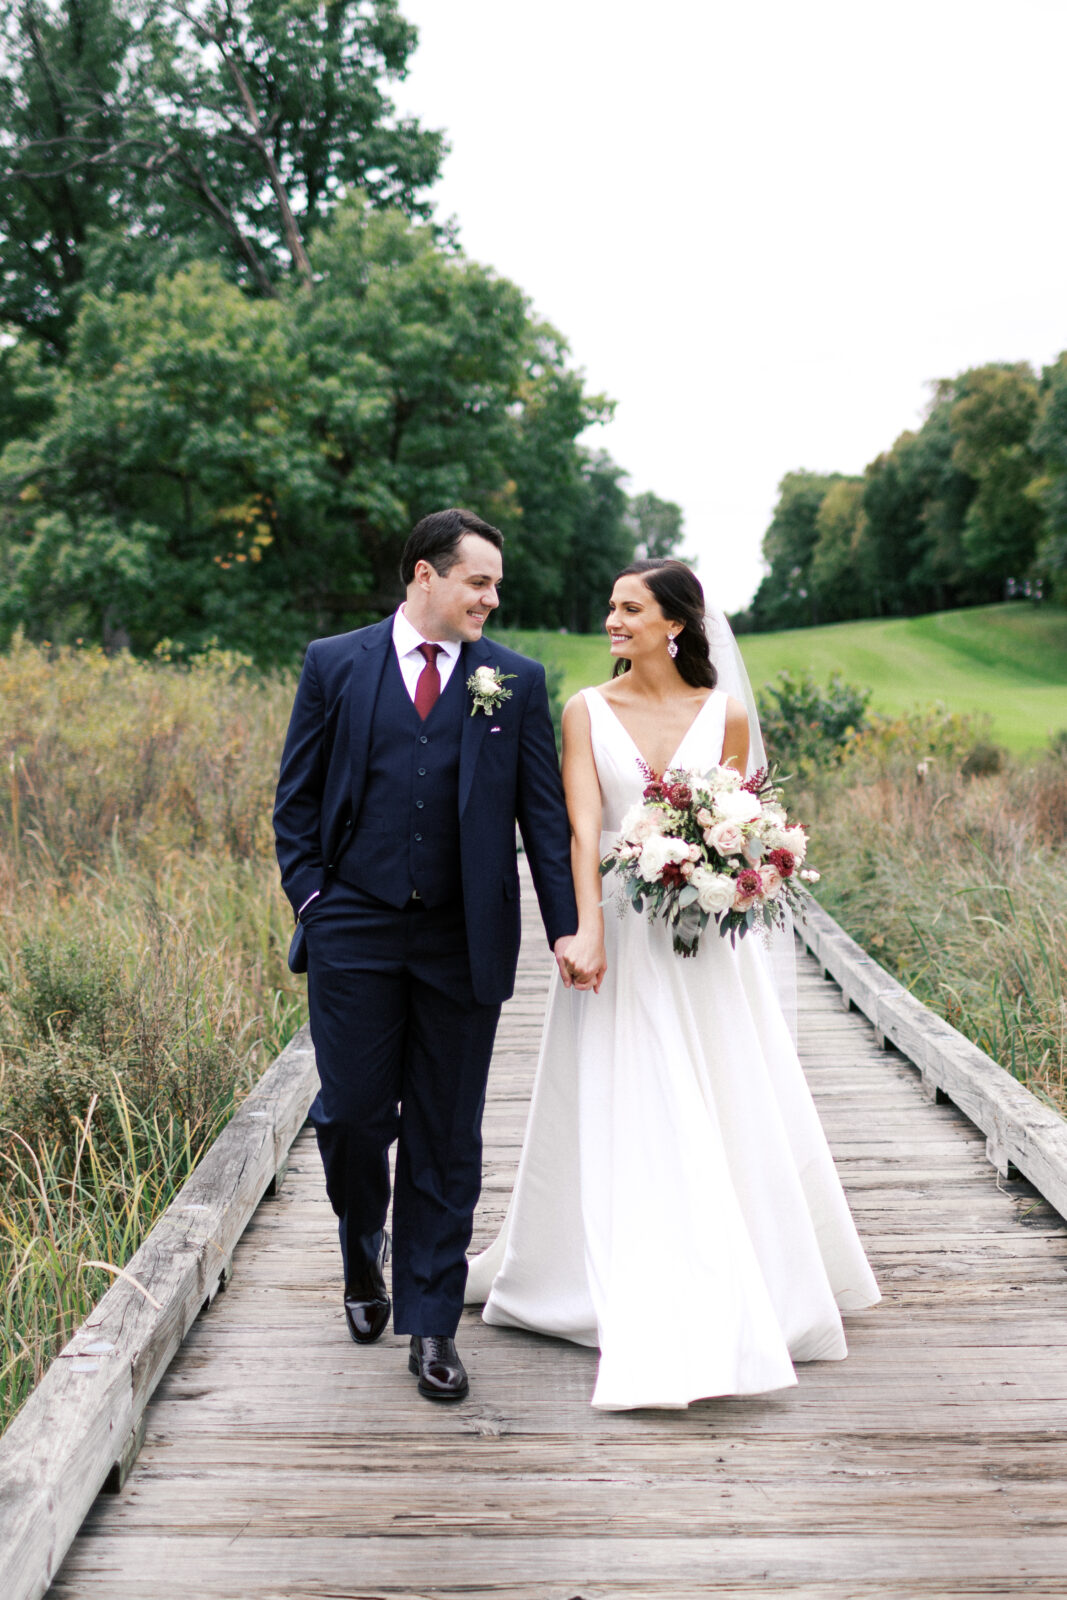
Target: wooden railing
x=1022 y=1133
x=80 y=1430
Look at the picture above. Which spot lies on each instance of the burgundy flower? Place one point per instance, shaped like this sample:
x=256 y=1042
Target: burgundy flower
x=754 y=784
x=679 y=795
x=749 y=882
x=672 y=876
x=784 y=860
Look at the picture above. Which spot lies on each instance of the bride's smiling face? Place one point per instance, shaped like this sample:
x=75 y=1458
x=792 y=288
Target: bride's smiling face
x=635 y=624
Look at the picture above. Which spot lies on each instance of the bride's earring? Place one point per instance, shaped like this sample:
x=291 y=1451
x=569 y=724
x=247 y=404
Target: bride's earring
x=672 y=646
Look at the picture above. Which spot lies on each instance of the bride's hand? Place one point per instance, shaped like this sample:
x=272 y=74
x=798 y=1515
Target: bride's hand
x=583 y=962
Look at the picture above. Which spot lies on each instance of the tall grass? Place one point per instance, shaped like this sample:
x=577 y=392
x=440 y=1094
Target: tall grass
x=142 y=977
x=948 y=861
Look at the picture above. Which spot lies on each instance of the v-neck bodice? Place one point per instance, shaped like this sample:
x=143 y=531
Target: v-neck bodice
x=618 y=760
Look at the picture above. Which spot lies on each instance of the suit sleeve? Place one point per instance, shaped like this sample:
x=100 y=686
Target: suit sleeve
x=542 y=816
x=298 y=803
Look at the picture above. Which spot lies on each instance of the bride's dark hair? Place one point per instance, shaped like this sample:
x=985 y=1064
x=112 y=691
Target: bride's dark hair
x=677 y=592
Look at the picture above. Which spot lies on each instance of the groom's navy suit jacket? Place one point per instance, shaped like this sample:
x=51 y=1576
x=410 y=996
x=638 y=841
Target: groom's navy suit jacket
x=508 y=772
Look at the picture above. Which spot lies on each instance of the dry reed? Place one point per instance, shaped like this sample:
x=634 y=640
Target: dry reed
x=142 y=976
x=957 y=884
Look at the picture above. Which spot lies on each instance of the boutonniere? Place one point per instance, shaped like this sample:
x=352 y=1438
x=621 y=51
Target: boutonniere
x=487 y=690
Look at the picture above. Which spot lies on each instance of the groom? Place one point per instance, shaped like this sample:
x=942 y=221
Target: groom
x=395 y=822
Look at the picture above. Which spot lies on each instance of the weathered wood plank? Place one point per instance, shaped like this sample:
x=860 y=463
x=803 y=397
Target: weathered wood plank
x=276 y=1567
x=1020 y=1130
x=76 y=1427
x=280 y=1460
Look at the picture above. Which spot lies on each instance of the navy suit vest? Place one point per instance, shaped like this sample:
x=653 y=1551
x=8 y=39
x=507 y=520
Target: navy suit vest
x=406 y=836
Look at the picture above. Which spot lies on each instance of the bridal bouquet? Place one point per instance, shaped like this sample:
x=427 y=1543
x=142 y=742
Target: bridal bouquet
x=710 y=847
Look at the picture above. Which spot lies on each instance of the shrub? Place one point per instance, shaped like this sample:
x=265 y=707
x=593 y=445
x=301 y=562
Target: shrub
x=805 y=725
x=983 y=760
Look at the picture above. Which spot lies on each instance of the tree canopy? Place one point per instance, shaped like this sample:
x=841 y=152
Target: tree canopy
x=241 y=360
x=969 y=507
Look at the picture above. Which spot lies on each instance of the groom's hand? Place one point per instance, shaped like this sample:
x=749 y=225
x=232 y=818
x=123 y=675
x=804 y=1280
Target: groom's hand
x=576 y=972
x=559 y=950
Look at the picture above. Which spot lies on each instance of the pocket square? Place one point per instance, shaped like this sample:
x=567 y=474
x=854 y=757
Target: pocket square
x=494 y=730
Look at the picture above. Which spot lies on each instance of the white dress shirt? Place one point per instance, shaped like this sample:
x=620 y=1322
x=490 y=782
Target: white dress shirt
x=406 y=642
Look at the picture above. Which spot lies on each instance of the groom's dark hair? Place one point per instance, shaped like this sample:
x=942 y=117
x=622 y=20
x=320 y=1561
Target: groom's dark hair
x=436 y=539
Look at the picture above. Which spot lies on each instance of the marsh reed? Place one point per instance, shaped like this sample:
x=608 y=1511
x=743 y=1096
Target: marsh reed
x=948 y=862
x=142 y=977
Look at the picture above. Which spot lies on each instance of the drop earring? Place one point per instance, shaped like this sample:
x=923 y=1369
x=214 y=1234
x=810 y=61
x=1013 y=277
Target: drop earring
x=672 y=646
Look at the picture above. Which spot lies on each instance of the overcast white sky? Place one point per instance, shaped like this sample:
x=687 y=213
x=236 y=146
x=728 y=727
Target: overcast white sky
x=764 y=229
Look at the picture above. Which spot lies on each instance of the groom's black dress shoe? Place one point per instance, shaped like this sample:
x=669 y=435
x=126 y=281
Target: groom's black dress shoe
x=440 y=1371
x=367 y=1304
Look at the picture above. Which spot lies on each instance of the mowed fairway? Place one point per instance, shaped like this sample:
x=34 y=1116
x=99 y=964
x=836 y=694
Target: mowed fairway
x=1009 y=661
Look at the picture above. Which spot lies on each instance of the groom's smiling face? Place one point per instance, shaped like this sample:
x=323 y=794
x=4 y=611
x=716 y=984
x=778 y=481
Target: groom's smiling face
x=454 y=605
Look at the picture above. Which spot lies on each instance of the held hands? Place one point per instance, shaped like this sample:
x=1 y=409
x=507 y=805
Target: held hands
x=581 y=960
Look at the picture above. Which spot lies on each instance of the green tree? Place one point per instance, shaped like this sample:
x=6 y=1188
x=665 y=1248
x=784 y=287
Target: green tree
x=63 y=68
x=137 y=136
x=657 y=527
x=786 y=597
x=1050 y=488
x=835 y=574
x=218 y=466
x=993 y=420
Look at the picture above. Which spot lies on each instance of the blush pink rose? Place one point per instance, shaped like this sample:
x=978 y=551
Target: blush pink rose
x=726 y=838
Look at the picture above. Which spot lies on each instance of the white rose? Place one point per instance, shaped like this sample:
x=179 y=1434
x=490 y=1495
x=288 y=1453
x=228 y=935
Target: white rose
x=725 y=837
x=723 y=779
x=639 y=824
x=657 y=851
x=486 y=677
x=796 y=840
x=738 y=806
x=704 y=818
x=715 y=892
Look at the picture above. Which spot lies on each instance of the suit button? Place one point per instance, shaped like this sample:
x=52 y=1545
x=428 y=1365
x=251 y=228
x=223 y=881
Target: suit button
x=423 y=739
x=422 y=772
x=418 y=838
x=419 y=804
x=348 y=822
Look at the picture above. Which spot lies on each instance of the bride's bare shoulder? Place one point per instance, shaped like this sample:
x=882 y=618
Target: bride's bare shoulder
x=617 y=691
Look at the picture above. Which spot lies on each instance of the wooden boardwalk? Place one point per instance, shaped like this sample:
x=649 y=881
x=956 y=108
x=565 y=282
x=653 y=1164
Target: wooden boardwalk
x=283 y=1463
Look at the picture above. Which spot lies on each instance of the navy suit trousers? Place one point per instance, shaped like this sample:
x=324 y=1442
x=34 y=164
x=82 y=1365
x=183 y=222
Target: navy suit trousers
x=403 y=1053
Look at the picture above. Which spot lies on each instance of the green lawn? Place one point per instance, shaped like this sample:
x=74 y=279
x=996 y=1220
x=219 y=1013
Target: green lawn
x=1007 y=660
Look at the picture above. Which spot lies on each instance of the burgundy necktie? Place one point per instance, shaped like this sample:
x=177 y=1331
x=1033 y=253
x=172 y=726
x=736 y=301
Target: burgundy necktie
x=429 y=685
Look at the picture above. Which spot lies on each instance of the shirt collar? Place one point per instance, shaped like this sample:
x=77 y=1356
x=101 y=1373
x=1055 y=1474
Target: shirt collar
x=407 y=638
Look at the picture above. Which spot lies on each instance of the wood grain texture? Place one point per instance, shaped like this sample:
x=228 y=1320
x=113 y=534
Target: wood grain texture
x=82 y=1424
x=282 y=1461
x=1022 y=1133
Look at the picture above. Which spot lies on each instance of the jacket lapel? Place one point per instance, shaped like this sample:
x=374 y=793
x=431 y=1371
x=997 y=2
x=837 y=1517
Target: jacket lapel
x=474 y=728
x=368 y=664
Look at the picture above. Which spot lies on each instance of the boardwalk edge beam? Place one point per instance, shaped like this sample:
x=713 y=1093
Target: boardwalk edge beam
x=1022 y=1133
x=79 y=1430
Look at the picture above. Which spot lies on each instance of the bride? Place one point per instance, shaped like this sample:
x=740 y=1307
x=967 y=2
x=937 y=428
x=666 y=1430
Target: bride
x=676 y=1205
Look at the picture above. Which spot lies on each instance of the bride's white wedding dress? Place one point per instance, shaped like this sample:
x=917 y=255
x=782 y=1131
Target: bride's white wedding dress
x=676 y=1204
